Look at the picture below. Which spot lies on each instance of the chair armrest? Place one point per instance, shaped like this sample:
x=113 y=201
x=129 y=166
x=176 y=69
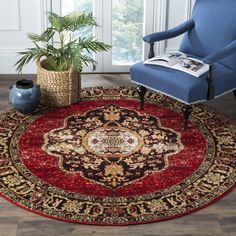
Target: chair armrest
x=221 y=54
x=171 y=33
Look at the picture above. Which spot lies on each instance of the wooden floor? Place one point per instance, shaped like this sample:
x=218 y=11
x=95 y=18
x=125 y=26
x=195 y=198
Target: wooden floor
x=218 y=219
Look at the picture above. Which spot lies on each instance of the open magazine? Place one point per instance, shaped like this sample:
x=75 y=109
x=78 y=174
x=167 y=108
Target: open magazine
x=180 y=61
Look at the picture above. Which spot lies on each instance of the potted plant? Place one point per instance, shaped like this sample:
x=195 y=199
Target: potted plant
x=60 y=55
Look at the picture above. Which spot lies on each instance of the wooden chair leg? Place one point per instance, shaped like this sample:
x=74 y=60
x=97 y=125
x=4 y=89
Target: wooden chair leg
x=234 y=93
x=141 y=92
x=186 y=109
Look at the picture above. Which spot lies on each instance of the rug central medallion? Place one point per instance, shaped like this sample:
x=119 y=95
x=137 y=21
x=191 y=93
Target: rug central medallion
x=112 y=146
x=112 y=141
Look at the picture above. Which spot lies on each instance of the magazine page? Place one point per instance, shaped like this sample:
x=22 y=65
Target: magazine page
x=167 y=59
x=191 y=66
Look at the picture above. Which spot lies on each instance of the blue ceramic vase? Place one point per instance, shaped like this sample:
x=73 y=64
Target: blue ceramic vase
x=25 y=96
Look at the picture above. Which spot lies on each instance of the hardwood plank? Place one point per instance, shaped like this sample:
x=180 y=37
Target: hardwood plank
x=8 y=229
x=228 y=223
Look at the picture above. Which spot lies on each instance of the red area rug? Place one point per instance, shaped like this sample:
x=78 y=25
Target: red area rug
x=103 y=161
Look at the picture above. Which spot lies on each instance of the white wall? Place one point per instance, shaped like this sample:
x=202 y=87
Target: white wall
x=18 y=17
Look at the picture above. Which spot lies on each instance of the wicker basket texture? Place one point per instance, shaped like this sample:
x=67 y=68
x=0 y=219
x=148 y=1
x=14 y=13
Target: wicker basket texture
x=58 y=88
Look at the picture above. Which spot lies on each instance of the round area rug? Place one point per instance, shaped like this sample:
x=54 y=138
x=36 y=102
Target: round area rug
x=103 y=161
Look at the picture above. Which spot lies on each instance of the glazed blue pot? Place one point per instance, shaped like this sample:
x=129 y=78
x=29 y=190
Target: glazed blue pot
x=25 y=96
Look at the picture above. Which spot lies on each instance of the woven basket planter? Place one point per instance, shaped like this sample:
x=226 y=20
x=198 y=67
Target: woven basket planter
x=58 y=88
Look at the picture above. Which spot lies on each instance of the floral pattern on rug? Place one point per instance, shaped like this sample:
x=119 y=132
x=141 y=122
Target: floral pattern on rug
x=112 y=145
x=201 y=173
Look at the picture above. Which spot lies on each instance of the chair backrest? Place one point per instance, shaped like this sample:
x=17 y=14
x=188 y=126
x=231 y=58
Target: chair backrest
x=215 y=27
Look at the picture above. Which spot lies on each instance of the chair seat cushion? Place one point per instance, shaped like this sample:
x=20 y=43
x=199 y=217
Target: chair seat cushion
x=180 y=85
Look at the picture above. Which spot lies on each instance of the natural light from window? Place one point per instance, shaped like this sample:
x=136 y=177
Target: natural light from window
x=127 y=31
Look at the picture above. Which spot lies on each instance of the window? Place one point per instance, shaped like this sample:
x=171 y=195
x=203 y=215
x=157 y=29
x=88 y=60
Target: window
x=122 y=25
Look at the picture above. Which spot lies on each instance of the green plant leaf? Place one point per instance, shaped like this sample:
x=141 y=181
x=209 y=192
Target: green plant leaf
x=30 y=54
x=56 y=21
x=44 y=37
x=76 y=21
x=93 y=45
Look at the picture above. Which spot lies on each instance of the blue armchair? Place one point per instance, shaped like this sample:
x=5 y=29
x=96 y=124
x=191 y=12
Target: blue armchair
x=210 y=35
